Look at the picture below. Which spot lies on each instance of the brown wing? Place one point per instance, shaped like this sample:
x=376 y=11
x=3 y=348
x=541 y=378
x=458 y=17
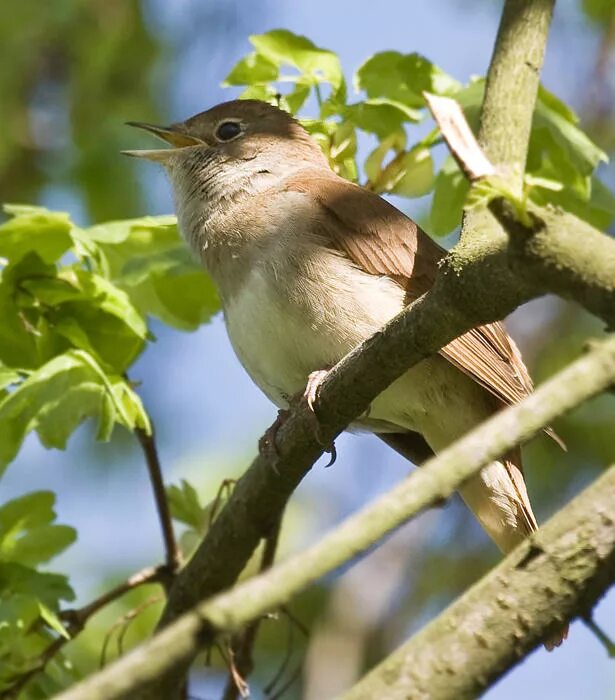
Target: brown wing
x=383 y=241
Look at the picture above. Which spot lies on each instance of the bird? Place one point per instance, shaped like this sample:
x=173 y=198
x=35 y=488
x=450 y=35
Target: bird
x=308 y=265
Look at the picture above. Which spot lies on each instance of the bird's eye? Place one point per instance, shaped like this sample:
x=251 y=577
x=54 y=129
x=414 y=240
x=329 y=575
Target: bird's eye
x=227 y=131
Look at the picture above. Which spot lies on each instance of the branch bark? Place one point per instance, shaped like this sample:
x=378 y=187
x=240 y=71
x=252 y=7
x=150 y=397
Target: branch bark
x=558 y=574
x=152 y=669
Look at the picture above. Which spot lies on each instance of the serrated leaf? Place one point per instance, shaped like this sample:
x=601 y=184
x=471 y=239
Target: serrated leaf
x=27 y=532
x=154 y=267
x=33 y=229
x=252 y=69
x=450 y=191
x=53 y=400
x=49 y=588
x=112 y=300
x=281 y=46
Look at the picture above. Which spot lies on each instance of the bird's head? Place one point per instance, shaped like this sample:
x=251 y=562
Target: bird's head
x=244 y=135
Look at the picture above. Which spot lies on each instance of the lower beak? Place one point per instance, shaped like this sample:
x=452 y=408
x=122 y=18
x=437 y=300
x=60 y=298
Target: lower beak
x=173 y=135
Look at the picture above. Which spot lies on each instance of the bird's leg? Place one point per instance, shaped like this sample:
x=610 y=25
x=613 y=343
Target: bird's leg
x=309 y=396
x=267 y=445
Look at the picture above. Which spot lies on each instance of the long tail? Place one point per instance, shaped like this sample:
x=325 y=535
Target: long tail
x=499 y=499
x=497 y=496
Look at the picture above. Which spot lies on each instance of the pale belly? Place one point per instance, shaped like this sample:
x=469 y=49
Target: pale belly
x=281 y=336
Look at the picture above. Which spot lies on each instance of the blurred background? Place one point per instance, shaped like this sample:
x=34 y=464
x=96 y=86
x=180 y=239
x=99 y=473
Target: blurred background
x=71 y=73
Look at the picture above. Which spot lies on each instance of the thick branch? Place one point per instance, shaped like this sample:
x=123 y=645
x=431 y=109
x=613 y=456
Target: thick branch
x=512 y=84
x=174 y=648
x=567 y=255
x=557 y=574
x=549 y=247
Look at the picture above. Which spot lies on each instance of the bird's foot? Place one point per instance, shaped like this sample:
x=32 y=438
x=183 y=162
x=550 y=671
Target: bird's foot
x=314 y=381
x=267 y=445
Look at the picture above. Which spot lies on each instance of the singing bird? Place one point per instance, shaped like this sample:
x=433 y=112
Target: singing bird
x=309 y=265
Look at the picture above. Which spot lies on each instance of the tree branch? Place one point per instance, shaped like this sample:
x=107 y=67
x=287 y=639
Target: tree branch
x=558 y=573
x=545 y=248
x=152 y=670
x=512 y=84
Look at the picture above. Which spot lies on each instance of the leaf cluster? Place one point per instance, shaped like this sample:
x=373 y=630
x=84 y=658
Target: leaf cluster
x=562 y=160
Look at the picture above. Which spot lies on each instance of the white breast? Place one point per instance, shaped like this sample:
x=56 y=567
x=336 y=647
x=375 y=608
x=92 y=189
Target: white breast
x=283 y=330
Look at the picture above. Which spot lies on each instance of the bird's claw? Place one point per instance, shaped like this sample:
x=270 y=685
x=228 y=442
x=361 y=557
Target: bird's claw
x=267 y=445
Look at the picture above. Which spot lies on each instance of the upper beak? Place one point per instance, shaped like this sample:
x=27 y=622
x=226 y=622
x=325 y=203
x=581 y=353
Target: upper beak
x=173 y=135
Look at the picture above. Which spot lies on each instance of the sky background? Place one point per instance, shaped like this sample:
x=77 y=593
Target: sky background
x=208 y=413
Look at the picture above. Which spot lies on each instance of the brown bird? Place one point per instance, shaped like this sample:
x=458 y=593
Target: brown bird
x=309 y=265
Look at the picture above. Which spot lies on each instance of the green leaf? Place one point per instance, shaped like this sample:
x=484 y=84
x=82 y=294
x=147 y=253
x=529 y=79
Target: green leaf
x=282 y=47
x=598 y=209
x=33 y=229
x=582 y=153
x=450 y=191
x=265 y=93
x=52 y=620
x=48 y=588
x=403 y=78
x=395 y=141
x=27 y=532
x=552 y=102
x=53 y=400
x=8 y=376
x=185 y=505
x=112 y=300
x=380 y=116
x=147 y=259
x=415 y=176
x=252 y=69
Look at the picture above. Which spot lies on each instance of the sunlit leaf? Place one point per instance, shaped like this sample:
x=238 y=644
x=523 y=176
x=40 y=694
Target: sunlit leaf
x=450 y=191
x=33 y=229
x=54 y=400
x=403 y=78
x=185 y=504
x=282 y=47
x=252 y=69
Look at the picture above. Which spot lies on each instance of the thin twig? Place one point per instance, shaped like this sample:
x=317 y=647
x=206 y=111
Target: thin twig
x=242 y=645
x=600 y=635
x=150 y=451
x=76 y=619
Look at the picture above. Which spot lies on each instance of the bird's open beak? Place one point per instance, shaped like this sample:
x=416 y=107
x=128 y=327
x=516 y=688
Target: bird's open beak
x=173 y=135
